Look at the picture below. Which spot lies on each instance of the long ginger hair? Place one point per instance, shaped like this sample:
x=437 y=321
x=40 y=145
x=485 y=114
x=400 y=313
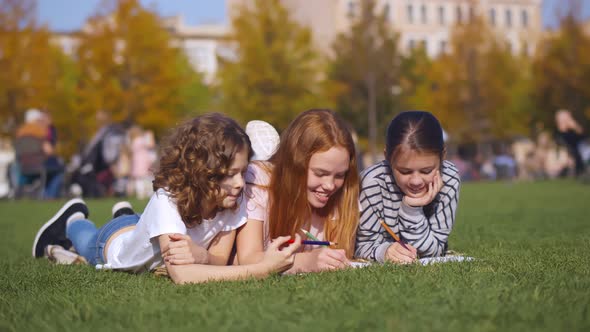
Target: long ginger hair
x=194 y=159
x=313 y=131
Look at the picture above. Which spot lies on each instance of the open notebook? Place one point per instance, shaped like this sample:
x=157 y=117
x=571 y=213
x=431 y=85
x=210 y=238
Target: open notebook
x=424 y=261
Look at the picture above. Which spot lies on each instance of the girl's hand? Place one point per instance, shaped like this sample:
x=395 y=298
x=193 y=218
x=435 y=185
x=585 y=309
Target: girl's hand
x=181 y=250
x=396 y=253
x=329 y=259
x=279 y=256
x=433 y=189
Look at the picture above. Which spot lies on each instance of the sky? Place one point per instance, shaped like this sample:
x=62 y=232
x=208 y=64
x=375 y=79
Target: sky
x=68 y=15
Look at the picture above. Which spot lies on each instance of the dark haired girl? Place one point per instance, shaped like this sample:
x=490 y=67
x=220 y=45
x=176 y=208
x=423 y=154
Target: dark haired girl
x=414 y=191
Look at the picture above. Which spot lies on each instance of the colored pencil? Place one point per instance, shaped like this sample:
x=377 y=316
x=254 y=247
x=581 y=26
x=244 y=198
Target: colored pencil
x=309 y=235
x=317 y=243
x=395 y=237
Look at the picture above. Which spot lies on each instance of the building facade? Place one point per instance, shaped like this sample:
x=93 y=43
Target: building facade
x=426 y=22
x=200 y=43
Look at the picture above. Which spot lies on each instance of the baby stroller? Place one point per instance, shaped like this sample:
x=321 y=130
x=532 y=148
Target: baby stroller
x=90 y=172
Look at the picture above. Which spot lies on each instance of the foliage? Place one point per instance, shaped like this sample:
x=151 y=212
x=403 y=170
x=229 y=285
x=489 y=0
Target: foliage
x=366 y=61
x=28 y=68
x=533 y=258
x=562 y=71
x=130 y=68
x=478 y=90
x=274 y=73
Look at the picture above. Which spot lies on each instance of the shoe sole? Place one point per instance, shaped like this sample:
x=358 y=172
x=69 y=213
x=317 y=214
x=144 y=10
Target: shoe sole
x=55 y=218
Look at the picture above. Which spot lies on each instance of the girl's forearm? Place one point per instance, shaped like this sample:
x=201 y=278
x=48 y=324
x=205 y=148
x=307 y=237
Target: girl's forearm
x=251 y=258
x=198 y=273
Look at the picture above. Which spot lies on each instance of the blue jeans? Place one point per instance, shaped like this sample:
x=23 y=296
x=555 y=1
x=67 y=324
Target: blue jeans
x=90 y=241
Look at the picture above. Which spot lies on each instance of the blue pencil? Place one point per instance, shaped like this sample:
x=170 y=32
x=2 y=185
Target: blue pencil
x=317 y=243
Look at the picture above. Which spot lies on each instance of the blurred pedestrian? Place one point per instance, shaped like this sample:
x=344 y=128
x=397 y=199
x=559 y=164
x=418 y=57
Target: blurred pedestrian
x=572 y=135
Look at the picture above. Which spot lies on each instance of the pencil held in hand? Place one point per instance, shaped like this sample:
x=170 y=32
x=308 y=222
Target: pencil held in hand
x=309 y=235
x=393 y=235
x=317 y=243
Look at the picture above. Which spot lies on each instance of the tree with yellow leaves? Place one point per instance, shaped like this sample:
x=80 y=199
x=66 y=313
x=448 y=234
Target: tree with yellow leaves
x=130 y=68
x=27 y=63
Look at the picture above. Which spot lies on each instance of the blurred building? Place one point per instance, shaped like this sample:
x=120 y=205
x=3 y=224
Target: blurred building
x=426 y=22
x=201 y=43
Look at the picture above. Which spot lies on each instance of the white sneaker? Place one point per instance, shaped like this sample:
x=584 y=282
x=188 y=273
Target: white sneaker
x=122 y=208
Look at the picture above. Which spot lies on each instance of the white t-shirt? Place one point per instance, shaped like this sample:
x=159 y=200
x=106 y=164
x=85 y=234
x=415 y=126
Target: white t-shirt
x=139 y=250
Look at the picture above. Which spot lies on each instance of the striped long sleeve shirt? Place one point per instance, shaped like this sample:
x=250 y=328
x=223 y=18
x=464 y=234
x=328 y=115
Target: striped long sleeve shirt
x=381 y=199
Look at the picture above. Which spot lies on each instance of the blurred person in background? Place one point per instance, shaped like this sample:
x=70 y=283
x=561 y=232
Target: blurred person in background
x=142 y=159
x=38 y=125
x=93 y=170
x=572 y=135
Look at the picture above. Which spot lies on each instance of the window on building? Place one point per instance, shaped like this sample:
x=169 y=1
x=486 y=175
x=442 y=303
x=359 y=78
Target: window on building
x=386 y=12
x=424 y=45
x=493 y=17
x=423 y=14
x=441 y=15
x=411 y=44
x=471 y=13
x=351 y=10
x=410 y=13
x=508 y=18
x=443 y=47
x=525 y=49
x=459 y=15
x=524 y=15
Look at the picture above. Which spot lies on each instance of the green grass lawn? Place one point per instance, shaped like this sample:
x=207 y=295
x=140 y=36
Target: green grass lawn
x=531 y=241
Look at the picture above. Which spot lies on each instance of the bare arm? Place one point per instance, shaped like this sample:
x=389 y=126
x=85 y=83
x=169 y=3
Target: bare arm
x=275 y=260
x=250 y=242
x=220 y=248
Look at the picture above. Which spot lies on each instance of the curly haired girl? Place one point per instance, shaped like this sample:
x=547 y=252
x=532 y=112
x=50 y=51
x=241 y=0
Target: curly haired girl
x=188 y=225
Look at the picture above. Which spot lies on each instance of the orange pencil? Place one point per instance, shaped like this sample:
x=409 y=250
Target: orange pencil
x=395 y=237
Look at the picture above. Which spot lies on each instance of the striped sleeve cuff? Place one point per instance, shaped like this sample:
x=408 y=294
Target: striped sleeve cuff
x=380 y=252
x=411 y=213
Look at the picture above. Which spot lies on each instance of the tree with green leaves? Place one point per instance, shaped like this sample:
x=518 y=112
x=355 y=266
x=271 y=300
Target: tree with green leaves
x=366 y=63
x=479 y=89
x=274 y=72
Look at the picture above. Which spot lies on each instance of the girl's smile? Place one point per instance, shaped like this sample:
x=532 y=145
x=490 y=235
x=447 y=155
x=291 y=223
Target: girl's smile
x=325 y=176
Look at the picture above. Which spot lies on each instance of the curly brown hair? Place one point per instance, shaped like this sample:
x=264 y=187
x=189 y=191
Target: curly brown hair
x=195 y=157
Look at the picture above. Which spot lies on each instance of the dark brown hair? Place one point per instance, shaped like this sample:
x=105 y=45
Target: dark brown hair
x=417 y=130
x=195 y=157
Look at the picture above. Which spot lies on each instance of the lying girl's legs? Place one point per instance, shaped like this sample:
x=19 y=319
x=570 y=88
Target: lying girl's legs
x=90 y=241
x=83 y=233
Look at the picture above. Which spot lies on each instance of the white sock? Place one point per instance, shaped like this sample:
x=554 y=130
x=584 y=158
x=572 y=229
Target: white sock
x=74 y=217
